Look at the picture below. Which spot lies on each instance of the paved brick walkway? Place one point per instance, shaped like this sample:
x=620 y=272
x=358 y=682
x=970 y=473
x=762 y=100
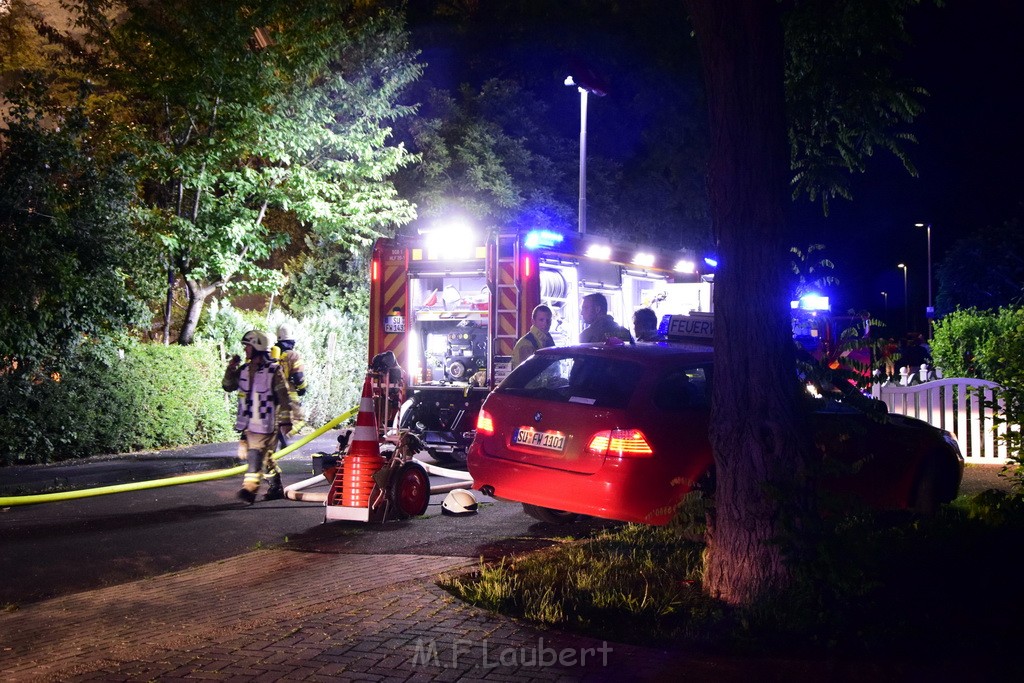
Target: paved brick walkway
x=275 y=615
x=280 y=615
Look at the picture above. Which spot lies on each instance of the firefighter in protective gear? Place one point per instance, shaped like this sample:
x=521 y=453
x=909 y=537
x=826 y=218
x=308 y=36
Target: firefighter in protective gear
x=264 y=411
x=539 y=336
x=600 y=326
x=294 y=373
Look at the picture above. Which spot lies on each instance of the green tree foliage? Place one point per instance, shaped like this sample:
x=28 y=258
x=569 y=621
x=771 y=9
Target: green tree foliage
x=75 y=269
x=492 y=156
x=984 y=270
x=237 y=111
x=811 y=272
x=327 y=276
x=843 y=97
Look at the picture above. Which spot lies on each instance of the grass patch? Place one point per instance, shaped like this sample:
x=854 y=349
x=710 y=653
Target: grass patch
x=880 y=585
x=614 y=585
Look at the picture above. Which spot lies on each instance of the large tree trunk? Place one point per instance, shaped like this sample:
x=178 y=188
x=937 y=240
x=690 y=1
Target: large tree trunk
x=198 y=293
x=757 y=444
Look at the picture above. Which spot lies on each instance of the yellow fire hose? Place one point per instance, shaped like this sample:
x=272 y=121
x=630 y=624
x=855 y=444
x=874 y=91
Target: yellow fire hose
x=9 y=501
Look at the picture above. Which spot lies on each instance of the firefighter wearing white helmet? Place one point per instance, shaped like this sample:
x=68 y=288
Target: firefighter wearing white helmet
x=294 y=373
x=459 y=502
x=264 y=411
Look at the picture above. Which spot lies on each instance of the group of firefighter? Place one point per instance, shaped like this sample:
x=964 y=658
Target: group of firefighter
x=600 y=327
x=271 y=381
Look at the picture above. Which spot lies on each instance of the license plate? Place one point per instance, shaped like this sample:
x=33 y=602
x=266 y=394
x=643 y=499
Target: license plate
x=527 y=436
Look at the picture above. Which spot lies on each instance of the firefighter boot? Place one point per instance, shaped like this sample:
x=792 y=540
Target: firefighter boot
x=247 y=496
x=276 y=491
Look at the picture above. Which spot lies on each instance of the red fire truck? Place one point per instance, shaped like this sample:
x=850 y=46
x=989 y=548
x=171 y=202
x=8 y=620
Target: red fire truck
x=451 y=307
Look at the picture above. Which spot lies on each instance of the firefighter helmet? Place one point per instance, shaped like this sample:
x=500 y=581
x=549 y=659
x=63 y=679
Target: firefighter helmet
x=459 y=502
x=284 y=333
x=258 y=340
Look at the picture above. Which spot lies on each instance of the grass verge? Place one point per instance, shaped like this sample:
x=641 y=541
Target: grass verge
x=875 y=585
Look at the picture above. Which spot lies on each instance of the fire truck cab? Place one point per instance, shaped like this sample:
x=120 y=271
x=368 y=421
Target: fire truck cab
x=451 y=308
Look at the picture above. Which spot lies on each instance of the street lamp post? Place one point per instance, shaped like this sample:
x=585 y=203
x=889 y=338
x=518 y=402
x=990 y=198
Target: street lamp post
x=906 y=301
x=885 y=302
x=585 y=86
x=931 y=304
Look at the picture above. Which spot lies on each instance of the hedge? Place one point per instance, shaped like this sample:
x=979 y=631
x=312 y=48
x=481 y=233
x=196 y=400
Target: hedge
x=138 y=397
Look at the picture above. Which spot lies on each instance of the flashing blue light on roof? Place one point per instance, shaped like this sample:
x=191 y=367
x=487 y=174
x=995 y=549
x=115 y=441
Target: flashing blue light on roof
x=711 y=261
x=538 y=239
x=814 y=302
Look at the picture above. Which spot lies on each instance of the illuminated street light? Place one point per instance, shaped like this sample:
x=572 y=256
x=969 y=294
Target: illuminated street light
x=906 y=302
x=586 y=83
x=885 y=302
x=930 y=312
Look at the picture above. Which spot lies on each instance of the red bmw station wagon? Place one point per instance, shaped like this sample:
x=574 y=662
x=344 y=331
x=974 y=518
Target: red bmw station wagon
x=621 y=432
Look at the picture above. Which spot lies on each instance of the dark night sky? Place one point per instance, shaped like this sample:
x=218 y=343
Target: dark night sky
x=969 y=56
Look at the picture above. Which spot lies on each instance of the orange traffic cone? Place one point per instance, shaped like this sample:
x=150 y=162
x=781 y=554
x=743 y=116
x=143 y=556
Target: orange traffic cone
x=353 y=484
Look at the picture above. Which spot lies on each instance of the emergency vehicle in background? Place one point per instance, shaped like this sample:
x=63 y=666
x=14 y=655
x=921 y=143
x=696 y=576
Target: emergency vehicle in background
x=451 y=308
x=833 y=339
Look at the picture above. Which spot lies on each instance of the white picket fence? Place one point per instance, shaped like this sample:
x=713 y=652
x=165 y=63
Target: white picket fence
x=956 y=405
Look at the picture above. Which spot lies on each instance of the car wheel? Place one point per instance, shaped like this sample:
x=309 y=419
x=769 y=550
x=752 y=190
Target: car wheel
x=927 y=494
x=550 y=516
x=409 y=490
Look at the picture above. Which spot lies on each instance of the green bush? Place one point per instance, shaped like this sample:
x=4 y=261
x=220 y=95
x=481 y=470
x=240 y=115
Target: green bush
x=175 y=397
x=989 y=345
x=134 y=396
x=110 y=400
x=961 y=343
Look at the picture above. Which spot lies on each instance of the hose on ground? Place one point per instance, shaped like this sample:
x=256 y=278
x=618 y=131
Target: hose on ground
x=32 y=499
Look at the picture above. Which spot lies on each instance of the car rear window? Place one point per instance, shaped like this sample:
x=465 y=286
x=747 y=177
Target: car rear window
x=682 y=388
x=588 y=380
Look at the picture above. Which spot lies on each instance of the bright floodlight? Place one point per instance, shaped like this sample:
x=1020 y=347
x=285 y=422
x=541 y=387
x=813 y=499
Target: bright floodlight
x=644 y=259
x=452 y=239
x=599 y=251
x=685 y=266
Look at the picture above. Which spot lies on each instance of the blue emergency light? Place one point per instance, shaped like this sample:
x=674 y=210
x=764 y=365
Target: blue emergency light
x=542 y=239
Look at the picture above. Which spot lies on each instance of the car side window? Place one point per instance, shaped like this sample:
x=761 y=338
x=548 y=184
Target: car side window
x=683 y=388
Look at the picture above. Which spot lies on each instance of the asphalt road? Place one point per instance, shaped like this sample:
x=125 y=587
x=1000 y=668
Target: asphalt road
x=60 y=548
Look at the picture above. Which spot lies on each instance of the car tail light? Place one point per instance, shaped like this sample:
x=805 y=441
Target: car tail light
x=621 y=443
x=484 y=423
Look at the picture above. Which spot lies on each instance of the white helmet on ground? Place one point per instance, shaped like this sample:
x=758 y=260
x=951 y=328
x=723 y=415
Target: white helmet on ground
x=257 y=339
x=459 y=502
x=284 y=333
